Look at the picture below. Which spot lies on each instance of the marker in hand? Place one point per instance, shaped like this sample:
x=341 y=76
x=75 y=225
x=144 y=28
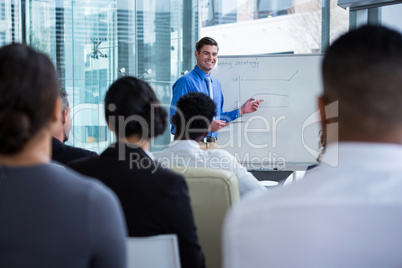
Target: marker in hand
x=217 y=125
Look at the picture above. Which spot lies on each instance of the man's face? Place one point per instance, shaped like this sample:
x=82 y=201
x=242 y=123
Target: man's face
x=207 y=57
x=67 y=125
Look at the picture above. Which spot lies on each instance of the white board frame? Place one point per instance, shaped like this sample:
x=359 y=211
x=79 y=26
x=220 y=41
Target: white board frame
x=288 y=119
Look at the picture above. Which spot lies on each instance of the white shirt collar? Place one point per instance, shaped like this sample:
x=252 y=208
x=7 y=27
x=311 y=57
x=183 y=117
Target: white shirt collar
x=184 y=145
x=149 y=154
x=385 y=155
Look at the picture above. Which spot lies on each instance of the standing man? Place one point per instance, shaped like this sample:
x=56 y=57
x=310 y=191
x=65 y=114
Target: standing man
x=200 y=80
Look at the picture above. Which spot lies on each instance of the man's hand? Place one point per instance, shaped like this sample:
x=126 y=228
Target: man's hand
x=250 y=106
x=216 y=125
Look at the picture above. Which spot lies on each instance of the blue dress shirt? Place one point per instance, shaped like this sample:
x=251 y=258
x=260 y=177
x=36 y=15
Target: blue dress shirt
x=194 y=81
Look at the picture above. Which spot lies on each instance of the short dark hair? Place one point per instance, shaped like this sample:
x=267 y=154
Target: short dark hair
x=195 y=112
x=363 y=71
x=205 y=41
x=64 y=99
x=128 y=97
x=28 y=93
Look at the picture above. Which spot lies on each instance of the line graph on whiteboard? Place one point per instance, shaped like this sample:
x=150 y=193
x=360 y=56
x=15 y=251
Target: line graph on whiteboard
x=271 y=99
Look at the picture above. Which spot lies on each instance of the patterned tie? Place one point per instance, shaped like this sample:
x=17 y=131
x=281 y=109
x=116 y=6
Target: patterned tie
x=210 y=89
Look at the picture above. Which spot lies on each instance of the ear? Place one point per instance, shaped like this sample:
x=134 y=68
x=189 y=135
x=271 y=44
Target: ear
x=174 y=119
x=64 y=116
x=55 y=118
x=196 y=54
x=209 y=129
x=111 y=124
x=322 y=103
x=57 y=111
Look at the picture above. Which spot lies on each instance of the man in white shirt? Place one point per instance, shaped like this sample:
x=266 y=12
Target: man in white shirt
x=348 y=214
x=195 y=112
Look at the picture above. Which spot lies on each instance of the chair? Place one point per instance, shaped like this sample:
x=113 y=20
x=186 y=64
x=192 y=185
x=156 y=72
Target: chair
x=153 y=251
x=212 y=192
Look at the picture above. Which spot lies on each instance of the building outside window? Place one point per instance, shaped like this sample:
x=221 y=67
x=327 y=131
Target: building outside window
x=250 y=27
x=92 y=43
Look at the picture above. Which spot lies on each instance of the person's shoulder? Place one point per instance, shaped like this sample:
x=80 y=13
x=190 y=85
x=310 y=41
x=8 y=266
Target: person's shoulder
x=169 y=174
x=85 y=163
x=167 y=177
x=69 y=179
x=188 y=78
x=80 y=152
x=223 y=154
x=161 y=154
x=64 y=153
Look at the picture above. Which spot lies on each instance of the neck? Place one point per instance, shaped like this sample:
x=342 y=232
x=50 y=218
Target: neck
x=136 y=140
x=178 y=137
x=37 y=151
x=205 y=71
x=374 y=136
x=59 y=136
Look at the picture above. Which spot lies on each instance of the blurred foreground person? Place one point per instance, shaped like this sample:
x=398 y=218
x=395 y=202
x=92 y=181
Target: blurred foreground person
x=155 y=200
x=49 y=216
x=347 y=211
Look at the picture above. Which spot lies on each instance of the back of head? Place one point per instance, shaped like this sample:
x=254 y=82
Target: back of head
x=64 y=99
x=28 y=92
x=363 y=71
x=204 y=42
x=194 y=115
x=131 y=107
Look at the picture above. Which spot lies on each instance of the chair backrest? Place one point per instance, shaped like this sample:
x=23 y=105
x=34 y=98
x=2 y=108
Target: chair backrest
x=153 y=251
x=212 y=192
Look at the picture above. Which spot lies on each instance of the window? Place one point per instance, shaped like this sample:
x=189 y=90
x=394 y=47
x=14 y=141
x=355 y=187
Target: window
x=2 y=11
x=269 y=26
x=94 y=43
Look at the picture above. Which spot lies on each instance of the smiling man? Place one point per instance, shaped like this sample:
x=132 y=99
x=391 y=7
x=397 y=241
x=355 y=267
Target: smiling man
x=200 y=80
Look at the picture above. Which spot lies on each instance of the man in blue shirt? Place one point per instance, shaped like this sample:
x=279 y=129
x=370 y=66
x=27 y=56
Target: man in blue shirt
x=200 y=80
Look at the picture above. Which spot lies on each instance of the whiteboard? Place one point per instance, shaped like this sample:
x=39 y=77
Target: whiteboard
x=284 y=133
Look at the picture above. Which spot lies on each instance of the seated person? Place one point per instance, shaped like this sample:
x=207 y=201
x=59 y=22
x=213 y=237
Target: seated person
x=155 y=200
x=348 y=214
x=49 y=217
x=195 y=112
x=61 y=152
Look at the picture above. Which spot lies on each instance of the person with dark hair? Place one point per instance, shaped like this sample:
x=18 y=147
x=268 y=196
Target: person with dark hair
x=196 y=112
x=49 y=216
x=154 y=200
x=62 y=152
x=201 y=80
x=346 y=212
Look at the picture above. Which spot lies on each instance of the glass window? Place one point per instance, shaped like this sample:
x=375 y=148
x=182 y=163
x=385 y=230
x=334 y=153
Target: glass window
x=10 y=18
x=92 y=43
x=269 y=26
x=2 y=11
x=391 y=17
